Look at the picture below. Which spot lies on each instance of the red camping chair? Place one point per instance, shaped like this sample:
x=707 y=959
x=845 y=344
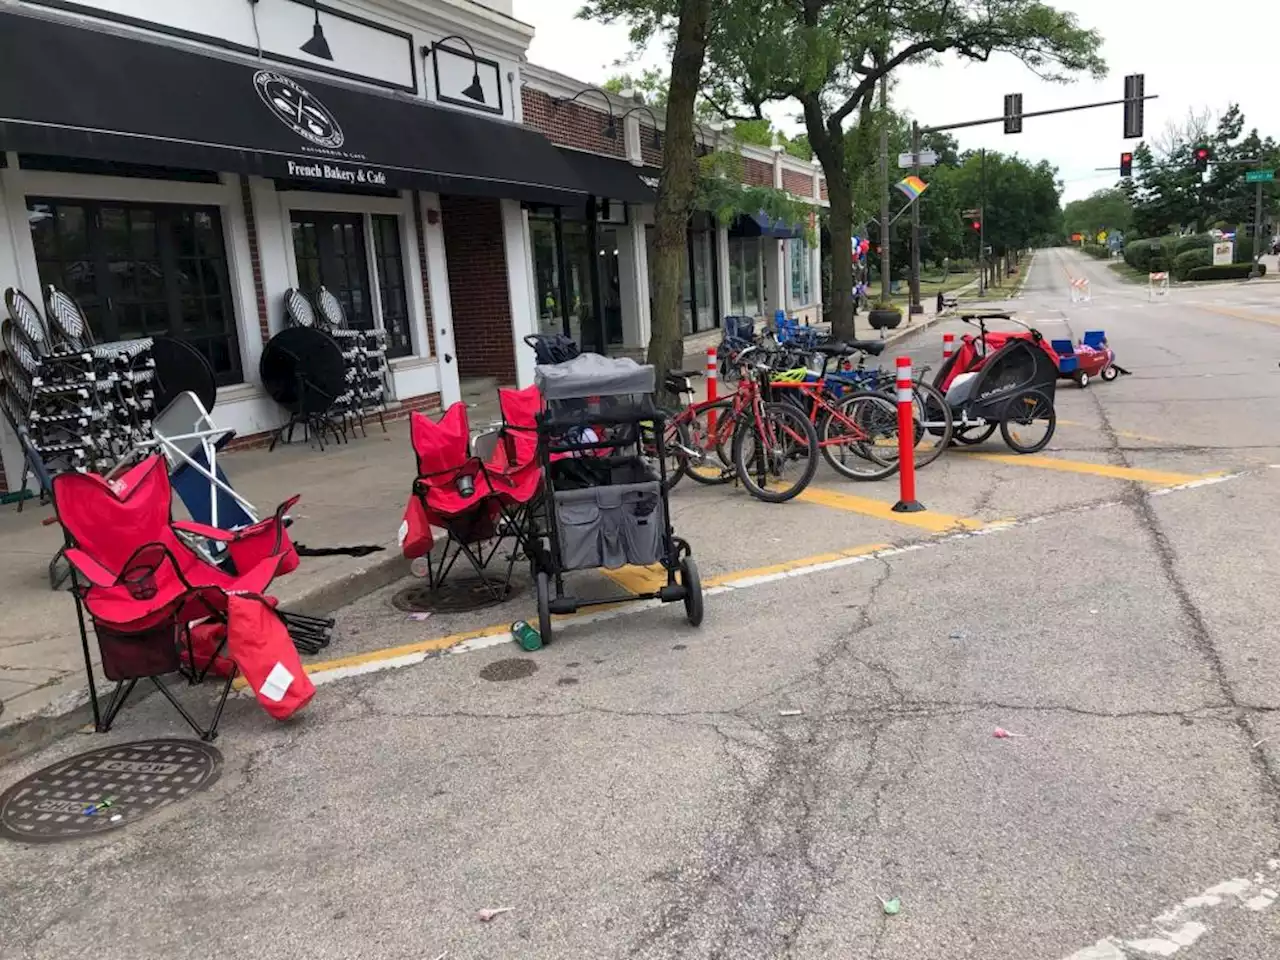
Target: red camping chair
x=144 y=586
x=479 y=505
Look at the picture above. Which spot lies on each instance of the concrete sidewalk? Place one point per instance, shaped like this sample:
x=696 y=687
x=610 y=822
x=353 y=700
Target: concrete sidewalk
x=352 y=494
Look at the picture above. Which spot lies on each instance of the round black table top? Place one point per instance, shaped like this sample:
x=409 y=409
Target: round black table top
x=303 y=370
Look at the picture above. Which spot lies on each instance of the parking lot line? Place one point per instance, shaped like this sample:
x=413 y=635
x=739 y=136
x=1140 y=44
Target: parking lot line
x=1160 y=478
x=928 y=520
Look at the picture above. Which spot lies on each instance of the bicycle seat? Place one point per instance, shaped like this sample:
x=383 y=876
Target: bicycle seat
x=684 y=373
x=836 y=348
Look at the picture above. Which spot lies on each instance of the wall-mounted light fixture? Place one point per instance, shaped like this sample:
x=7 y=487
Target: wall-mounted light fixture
x=657 y=133
x=611 y=127
x=317 y=46
x=476 y=90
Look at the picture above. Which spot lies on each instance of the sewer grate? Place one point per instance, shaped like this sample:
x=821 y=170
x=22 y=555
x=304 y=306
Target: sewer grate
x=503 y=670
x=92 y=793
x=459 y=595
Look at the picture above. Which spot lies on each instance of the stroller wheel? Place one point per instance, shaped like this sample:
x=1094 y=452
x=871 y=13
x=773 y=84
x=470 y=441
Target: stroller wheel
x=542 y=584
x=1082 y=379
x=975 y=435
x=692 y=584
x=1028 y=422
x=1109 y=372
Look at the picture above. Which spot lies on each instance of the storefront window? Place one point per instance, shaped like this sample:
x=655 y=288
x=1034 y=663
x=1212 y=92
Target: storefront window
x=801 y=281
x=142 y=270
x=704 y=280
x=744 y=276
x=610 y=284
x=395 y=305
x=546 y=274
x=577 y=269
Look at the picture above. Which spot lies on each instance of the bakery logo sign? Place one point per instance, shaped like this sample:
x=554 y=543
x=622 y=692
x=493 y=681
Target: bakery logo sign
x=333 y=173
x=298 y=109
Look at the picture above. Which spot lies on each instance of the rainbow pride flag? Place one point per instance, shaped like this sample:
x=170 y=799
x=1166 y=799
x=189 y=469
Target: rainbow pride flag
x=912 y=187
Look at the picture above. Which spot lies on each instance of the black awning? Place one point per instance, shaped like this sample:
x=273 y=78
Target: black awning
x=611 y=178
x=759 y=225
x=71 y=91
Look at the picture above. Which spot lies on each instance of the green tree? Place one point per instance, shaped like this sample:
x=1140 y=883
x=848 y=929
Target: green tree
x=1109 y=210
x=829 y=56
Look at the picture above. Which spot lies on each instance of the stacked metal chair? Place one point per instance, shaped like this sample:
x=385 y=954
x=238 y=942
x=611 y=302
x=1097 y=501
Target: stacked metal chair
x=74 y=405
x=367 y=371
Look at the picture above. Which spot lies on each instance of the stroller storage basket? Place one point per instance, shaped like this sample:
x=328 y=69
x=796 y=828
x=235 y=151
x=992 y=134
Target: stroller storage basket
x=611 y=526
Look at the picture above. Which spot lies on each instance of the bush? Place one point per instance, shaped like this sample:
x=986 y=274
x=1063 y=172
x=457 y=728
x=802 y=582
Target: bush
x=1243 y=251
x=1199 y=241
x=1190 y=260
x=1097 y=251
x=1231 y=271
x=1137 y=254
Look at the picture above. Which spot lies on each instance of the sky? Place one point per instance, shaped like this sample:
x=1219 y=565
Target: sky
x=1191 y=60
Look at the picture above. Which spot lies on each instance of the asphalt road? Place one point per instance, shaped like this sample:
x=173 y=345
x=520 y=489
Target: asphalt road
x=759 y=787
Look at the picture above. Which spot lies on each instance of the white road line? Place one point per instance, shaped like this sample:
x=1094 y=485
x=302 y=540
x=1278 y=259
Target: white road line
x=1186 y=922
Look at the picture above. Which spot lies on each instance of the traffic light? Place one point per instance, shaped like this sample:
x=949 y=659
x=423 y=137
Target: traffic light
x=977 y=226
x=1013 y=113
x=1202 y=156
x=1135 y=87
x=1126 y=164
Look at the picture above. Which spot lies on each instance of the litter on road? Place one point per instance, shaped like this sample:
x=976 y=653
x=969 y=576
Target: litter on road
x=487 y=914
x=1002 y=734
x=891 y=907
x=790 y=713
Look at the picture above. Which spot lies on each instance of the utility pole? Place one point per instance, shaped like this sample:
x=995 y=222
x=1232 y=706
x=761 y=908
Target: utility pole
x=982 y=228
x=1257 y=231
x=915 y=307
x=884 y=189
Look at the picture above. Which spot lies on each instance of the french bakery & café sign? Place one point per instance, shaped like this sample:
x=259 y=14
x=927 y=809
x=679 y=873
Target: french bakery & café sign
x=332 y=173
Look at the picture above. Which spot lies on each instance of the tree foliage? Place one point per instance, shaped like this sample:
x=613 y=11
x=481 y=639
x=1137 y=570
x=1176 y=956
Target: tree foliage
x=1169 y=195
x=1108 y=210
x=829 y=55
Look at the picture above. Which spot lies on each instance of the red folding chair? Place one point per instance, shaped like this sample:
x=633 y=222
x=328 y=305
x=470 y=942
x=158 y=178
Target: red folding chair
x=144 y=587
x=480 y=505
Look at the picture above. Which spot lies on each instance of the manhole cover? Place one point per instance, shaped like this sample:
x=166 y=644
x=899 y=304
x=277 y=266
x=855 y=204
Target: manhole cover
x=454 y=596
x=501 y=670
x=102 y=790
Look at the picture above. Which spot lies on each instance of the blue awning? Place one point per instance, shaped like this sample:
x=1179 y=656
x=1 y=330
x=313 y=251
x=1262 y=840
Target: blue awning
x=759 y=225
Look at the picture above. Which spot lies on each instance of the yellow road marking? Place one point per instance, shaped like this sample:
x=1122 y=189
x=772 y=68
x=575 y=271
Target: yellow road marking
x=1243 y=314
x=647 y=579
x=723 y=578
x=1158 y=477
x=928 y=520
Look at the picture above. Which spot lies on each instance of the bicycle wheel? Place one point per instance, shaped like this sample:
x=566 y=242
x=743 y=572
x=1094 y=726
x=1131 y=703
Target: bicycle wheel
x=708 y=458
x=778 y=466
x=675 y=441
x=1028 y=422
x=859 y=438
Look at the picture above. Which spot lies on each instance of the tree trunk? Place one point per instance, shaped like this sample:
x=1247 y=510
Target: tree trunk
x=677 y=188
x=830 y=152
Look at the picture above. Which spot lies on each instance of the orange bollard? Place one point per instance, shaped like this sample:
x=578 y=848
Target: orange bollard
x=907 y=502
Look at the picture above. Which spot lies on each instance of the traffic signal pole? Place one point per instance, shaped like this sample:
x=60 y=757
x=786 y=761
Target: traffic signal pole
x=917 y=130
x=916 y=306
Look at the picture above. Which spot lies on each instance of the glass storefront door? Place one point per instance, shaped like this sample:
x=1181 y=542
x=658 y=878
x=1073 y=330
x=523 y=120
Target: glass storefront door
x=330 y=251
x=610 y=283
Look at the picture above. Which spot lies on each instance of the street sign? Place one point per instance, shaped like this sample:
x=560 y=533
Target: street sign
x=1013 y=113
x=925 y=158
x=1223 y=253
x=1135 y=86
x=972 y=213
x=1259 y=176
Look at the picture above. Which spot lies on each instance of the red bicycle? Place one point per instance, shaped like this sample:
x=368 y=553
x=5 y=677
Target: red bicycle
x=769 y=447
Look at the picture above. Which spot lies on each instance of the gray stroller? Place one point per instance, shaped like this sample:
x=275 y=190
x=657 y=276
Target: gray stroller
x=605 y=502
